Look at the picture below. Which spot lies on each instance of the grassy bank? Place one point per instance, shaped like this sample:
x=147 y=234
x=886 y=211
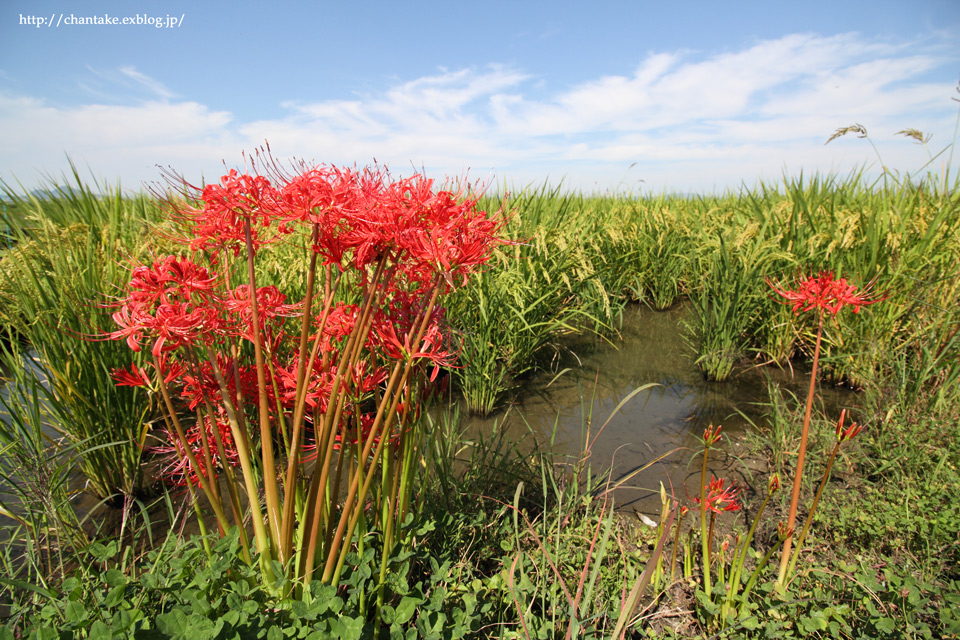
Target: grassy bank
x=499 y=543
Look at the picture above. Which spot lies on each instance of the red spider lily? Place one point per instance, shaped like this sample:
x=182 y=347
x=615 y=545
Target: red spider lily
x=403 y=245
x=318 y=381
x=171 y=302
x=179 y=469
x=271 y=304
x=363 y=380
x=846 y=434
x=458 y=238
x=327 y=196
x=347 y=207
x=228 y=207
x=170 y=369
x=197 y=388
x=339 y=324
x=335 y=224
x=719 y=499
x=173 y=278
x=181 y=324
x=171 y=325
x=431 y=347
x=134 y=377
x=824 y=292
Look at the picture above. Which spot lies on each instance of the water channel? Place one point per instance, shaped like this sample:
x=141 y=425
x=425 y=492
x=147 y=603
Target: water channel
x=668 y=419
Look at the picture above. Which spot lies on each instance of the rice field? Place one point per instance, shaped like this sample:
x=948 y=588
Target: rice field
x=570 y=266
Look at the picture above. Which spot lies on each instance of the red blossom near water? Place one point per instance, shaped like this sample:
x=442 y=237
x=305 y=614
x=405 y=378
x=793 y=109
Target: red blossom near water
x=170 y=368
x=850 y=432
x=339 y=324
x=364 y=379
x=825 y=293
x=353 y=222
x=132 y=377
x=393 y=336
x=318 y=381
x=362 y=217
x=171 y=279
x=720 y=499
x=458 y=236
x=204 y=387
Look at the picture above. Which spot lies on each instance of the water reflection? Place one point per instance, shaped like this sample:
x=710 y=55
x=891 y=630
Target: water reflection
x=667 y=418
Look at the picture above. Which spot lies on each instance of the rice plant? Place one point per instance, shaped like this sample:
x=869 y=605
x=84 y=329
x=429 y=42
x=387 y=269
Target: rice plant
x=68 y=247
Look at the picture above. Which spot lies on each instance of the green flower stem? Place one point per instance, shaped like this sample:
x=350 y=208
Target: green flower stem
x=704 y=539
x=386 y=422
x=739 y=558
x=270 y=489
x=205 y=482
x=246 y=466
x=813 y=508
x=676 y=544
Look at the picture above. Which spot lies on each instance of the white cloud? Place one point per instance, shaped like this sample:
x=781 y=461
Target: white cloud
x=151 y=85
x=688 y=121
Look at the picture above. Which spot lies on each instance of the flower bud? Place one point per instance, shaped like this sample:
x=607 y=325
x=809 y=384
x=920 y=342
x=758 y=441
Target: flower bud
x=711 y=435
x=774 y=484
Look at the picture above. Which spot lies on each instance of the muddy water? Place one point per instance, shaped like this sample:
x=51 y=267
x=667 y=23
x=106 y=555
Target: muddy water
x=665 y=420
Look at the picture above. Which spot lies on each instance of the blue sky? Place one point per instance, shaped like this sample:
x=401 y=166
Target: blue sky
x=626 y=96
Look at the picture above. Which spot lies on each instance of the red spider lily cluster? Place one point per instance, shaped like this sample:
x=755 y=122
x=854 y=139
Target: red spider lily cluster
x=824 y=292
x=390 y=248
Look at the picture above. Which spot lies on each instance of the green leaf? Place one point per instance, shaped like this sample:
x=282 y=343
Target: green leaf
x=750 y=623
x=45 y=633
x=114 y=596
x=406 y=609
x=75 y=612
x=348 y=628
x=114 y=578
x=20 y=584
x=885 y=624
x=174 y=624
x=388 y=615
x=100 y=631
